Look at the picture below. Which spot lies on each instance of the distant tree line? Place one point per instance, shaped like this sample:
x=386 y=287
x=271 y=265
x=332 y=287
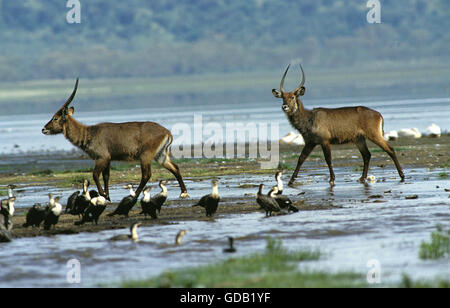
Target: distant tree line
x=166 y=37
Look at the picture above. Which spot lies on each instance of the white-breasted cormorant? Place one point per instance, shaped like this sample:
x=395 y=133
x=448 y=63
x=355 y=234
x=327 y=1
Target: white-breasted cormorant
x=53 y=211
x=96 y=207
x=267 y=203
x=132 y=236
x=126 y=204
x=161 y=197
x=211 y=201
x=180 y=236
x=283 y=201
x=6 y=223
x=149 y=207
x=82 y=201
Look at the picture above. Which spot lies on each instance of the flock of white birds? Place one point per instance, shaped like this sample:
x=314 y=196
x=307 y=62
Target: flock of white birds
x=433 y=131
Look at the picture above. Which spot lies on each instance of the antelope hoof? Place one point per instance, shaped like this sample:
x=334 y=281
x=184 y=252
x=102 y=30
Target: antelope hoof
x=184 y=195
x=291 y=184
x=331 y=183
x=362 y=180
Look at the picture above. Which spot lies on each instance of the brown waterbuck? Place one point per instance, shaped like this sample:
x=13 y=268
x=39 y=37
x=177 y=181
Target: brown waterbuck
x=326 y=126
x=104 y=142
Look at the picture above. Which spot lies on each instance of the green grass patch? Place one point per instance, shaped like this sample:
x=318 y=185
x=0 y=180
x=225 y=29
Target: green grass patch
x=284 y=166
x=276 y=267
x=407 y=282
x=126 y=166
x=43 y=172
x=438 y=246
x=443 y=175
x=396 y=149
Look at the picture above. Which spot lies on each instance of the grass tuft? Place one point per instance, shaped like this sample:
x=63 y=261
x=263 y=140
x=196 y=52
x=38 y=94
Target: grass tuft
x=276 y=267
x=438 y=247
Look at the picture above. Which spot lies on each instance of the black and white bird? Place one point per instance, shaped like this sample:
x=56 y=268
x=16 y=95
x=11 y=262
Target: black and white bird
x=53 y=211
x=149 y=207
x=126 y=204
x=6 y=223
x=278 y=176
x=132 y=236
x=230 y=248
x=160 y=198
x=81 y=202
x=96 y=207
x=267 y=202
x=283 y=201
x=35 y=216
x=210 y=202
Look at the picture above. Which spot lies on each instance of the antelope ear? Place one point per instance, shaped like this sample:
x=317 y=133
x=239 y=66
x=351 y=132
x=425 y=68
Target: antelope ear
x=276 y=93
x=300 y=92
x=71 y=111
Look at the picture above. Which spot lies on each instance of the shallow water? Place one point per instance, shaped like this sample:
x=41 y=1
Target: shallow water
x=347 y=224
x=19 y=136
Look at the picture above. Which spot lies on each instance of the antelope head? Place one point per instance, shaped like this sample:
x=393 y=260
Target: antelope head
x=290 y=99
x=56 y=124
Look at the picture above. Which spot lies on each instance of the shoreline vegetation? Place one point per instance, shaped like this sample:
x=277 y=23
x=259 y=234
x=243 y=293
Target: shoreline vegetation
x=69 y=169
x=275 y=267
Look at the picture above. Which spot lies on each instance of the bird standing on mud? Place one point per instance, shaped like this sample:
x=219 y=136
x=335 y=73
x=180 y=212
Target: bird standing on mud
x=81 y=202
x=283 y=201
x=126 y=204
x=211 y=201
x=149 y=207
x=267 y=203
x=132 y=236
x=6 y=224
x=94 y=210
x=53 y=210
x=35 y=216
x=160 y=198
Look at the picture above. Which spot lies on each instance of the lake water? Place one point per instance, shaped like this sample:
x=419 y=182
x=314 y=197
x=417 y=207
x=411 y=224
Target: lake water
x=19 y=135
x=353 y=231
x=350 y=230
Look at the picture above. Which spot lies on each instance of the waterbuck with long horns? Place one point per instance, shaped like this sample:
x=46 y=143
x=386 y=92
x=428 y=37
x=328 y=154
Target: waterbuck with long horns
x=326 y=126
x=104 y=142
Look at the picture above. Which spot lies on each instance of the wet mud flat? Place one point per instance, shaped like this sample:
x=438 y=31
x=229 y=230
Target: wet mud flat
x=238 y=189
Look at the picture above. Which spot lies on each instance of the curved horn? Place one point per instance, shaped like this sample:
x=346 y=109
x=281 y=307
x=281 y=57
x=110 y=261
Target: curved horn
x=69 y=100
x=303 y=79
x=282 y=79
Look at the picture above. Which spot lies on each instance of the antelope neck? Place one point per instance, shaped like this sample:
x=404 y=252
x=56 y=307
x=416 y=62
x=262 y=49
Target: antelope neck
x=76 y=133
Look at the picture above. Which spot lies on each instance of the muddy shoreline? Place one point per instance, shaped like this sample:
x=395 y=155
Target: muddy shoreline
x=412 y=153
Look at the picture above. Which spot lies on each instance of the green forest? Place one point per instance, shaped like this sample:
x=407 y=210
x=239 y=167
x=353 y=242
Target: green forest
x=151 y=38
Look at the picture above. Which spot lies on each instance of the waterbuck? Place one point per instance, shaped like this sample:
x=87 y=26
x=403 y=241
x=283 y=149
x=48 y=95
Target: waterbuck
x=326 y=126
x=104 y=142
